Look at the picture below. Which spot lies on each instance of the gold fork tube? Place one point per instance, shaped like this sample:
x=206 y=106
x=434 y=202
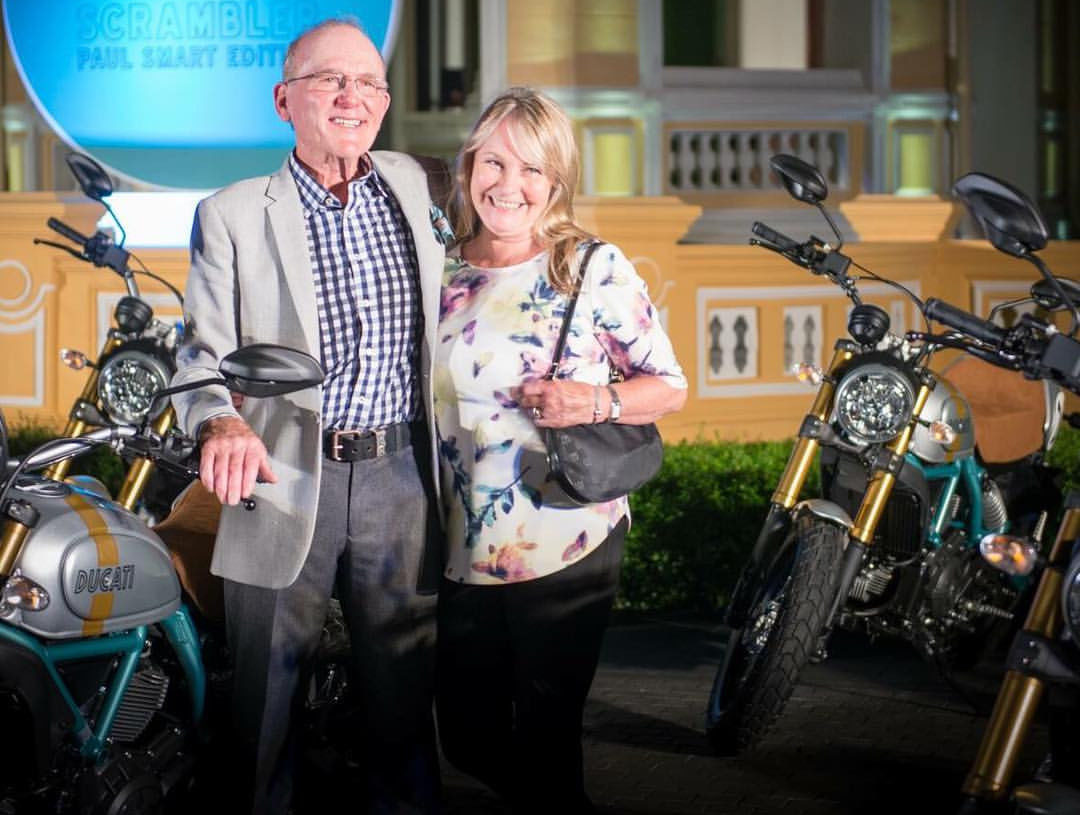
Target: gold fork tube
x=802 y=456
x=141 y=469
x=1018 y=700
x=882 y=481
x=11 y=542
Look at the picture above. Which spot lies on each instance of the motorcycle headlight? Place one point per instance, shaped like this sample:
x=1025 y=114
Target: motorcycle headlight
x=1070 y=599
x=873 y=402
x=127 y=382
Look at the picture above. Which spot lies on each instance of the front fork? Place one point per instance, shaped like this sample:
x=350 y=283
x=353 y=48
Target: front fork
x=884 y=471
x=883 y=474
x=990 y=776
x=138 y=474
x=787 y=491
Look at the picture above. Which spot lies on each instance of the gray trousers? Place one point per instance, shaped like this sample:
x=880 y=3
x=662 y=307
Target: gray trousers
x=371 y=526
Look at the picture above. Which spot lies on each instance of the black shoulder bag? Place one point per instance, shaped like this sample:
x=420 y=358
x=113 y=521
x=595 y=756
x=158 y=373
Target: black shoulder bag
x=598 y=462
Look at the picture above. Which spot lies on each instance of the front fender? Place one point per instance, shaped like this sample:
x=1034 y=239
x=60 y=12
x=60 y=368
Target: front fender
x=824 y=509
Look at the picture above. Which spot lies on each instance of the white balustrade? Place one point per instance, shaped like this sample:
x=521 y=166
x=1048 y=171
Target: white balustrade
x=737 y=159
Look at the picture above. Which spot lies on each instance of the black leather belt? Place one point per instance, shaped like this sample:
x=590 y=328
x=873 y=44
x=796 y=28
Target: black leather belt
x=359 y=445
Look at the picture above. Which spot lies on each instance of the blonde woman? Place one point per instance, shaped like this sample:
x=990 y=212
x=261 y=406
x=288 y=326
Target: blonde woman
x=530 y=575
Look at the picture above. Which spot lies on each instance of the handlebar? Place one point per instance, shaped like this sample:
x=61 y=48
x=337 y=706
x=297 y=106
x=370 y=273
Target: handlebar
x=778 y=239
x=964 y=322
x=99 y=250
x=66 y=448
x=1032 y=346
x=72 y=235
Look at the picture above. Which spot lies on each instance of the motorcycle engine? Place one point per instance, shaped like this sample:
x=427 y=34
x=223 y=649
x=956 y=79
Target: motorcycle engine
x=962 y=594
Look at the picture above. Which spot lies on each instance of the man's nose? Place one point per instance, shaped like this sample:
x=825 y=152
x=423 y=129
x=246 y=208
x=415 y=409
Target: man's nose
x=350 y=93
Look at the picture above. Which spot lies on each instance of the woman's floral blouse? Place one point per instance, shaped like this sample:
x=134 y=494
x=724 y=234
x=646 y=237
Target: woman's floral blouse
x=497 y=329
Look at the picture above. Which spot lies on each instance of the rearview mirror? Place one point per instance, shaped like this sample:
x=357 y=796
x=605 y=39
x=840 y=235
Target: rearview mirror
x=1011 y=221
x=90 y=176
x=803 y=181
x=269 y=370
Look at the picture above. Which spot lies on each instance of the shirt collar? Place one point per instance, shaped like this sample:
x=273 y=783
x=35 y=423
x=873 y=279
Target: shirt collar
x=314 y=196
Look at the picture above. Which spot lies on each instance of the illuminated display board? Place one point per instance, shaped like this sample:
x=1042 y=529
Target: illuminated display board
x=172 y=92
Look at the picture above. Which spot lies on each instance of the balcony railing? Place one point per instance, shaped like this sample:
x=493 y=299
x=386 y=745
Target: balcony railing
x=730 y=160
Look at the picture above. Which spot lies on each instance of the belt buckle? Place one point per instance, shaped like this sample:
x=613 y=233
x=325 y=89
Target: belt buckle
x=335 y=442
x=380 y=441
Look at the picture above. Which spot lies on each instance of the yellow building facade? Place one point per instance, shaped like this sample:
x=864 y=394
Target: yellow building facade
x=675 y=171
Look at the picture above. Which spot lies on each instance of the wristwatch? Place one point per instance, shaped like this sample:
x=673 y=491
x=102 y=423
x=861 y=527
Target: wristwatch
x=616 y=405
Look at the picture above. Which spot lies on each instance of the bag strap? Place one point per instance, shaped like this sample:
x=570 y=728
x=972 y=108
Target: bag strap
x=560 y=344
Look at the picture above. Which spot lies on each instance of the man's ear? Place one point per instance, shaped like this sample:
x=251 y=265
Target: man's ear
x=280 y=101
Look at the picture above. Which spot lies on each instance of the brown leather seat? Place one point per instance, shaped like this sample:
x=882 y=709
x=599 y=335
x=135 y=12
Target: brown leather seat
x=1008 y=410
x=189 y=532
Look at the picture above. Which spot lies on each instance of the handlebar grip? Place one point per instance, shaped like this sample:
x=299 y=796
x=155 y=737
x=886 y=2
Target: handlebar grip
x=67 y=231
x=769 y=234
x=964 y=322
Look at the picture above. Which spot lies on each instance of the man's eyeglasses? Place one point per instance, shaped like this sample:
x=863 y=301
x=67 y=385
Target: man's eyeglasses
x=330 y=82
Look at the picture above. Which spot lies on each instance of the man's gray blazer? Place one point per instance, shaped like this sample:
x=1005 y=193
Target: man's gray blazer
x=251 y=281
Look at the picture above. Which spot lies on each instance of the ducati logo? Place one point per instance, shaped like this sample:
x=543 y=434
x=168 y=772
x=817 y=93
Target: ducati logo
x=111 y=578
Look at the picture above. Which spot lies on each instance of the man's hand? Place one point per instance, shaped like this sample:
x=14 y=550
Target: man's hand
x=232 y=457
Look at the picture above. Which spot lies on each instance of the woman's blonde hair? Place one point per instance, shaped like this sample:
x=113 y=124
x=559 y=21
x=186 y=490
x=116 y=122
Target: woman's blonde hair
x=541 y=134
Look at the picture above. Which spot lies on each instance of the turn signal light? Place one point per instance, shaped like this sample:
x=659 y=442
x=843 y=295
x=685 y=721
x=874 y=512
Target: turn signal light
x=76 y=360
x=1015 y=556
x=22 y=592
x=942 y=433
x=808 y=372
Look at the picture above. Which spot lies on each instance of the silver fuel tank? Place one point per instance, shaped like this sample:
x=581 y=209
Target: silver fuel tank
x=945 y=404
x=103 y=568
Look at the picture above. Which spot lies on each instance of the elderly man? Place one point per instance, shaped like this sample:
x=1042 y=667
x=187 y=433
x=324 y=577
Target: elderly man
x=333 y=254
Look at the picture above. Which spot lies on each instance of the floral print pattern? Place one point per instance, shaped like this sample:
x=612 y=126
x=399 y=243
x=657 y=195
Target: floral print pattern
x=497 y=328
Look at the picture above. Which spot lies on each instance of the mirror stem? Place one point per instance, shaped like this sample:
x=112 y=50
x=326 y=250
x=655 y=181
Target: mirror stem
x=1037 y=261
x=120 y=226
x=832 y=226
x=190 y=386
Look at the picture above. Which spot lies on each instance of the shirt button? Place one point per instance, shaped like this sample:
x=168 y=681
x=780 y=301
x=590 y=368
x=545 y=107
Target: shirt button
x=330 y=201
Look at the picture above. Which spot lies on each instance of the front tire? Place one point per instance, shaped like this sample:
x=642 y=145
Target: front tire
x=766 y=656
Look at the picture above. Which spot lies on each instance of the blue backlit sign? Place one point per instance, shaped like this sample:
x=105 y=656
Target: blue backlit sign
x=172 y=92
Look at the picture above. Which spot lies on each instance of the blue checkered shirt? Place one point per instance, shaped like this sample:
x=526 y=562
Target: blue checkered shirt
x=367 y=291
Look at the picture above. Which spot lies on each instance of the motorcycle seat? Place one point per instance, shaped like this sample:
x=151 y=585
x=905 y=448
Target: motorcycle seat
x=189 y=531
x=1008 y=410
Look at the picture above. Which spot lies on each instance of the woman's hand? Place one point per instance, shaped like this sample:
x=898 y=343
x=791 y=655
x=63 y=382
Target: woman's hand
x=561 y=403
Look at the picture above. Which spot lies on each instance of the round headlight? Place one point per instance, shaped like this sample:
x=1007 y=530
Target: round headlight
x=1070 y=598
x=127 y=381
x=874 y=402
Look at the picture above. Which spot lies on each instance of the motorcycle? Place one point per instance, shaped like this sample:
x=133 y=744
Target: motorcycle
x=903 y=539
x=102 y=677
x=1044 y=652
x=137 y=358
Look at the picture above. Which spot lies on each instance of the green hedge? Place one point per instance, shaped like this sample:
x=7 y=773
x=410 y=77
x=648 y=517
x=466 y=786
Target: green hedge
x=692 y=525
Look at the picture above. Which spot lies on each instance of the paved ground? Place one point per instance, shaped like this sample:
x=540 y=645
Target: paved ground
x=872 y=730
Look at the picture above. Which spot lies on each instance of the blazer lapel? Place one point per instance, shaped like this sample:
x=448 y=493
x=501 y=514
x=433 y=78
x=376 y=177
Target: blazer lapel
x=290 y=241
